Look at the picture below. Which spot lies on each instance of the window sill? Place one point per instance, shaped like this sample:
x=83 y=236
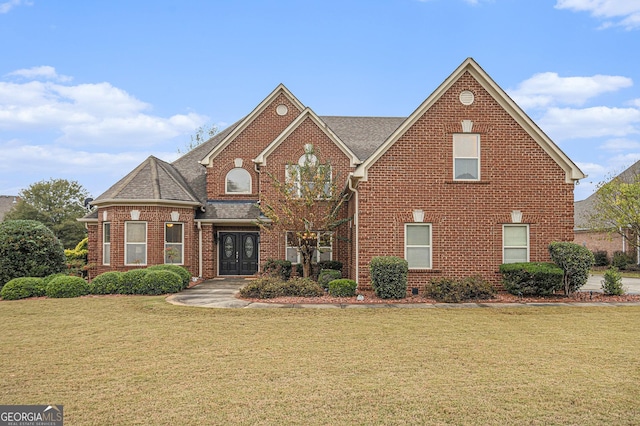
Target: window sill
x=471 y=182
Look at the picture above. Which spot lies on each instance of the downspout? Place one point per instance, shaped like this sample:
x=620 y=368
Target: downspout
x=199 y=249
x=356 y=224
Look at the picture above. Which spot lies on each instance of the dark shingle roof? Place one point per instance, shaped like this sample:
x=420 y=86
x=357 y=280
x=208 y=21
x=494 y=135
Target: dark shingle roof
x=583 y=209
x=154 y=179
x=230 y=210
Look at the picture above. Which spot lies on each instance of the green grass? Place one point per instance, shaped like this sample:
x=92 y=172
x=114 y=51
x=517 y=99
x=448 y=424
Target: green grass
x=141 y=361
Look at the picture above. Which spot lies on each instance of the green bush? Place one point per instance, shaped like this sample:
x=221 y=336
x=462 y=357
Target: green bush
x=160 y=282
x=184 y=274
x=601 y=258
x=576 y=262
x=621 y=259
x=67 y=286
x=277 y=268
x=21 y=288
x=271 y=287
x=107 y=283
x=342 y=288
x=531 y=278
x=132 y=281
x=327 y=275
x=450 y=290
x=330 y=264
x=28 y=249
x=612 y=282
x=389 y=277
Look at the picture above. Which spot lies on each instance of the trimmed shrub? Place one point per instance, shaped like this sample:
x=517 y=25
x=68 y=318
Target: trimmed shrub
x=271 y=287
x=67 y=286
x=389 y=277
x=330 y=264
x=612 y=282
x=21 y=288
x=576 y=262
x=107 y=283
x=342 y=288
x=28 y=249
x=277 y=268
x=185 y=275
x=531 y=278
x=328 y=275
x=450 y=290
x=600 y=258
x=132 y=281
x=621 y=259
x=160 y=282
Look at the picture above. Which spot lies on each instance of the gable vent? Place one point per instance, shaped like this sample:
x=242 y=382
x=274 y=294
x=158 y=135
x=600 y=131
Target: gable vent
x=466 y=97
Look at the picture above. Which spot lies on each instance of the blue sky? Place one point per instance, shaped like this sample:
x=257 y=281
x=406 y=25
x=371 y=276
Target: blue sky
x=89 y=89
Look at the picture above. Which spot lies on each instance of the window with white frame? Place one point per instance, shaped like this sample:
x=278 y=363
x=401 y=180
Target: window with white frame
x=238 y=181
x=294 y=175
x=466 y=156
x=135 y=243
x=173 y=243
x=323 y=243
x=106 y=243
x=417 y=245
x=515 y=243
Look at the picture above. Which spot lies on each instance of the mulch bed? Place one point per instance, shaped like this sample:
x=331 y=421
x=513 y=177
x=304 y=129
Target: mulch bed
x=370 y=298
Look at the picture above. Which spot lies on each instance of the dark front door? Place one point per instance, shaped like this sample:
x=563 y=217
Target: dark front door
x=238 y=253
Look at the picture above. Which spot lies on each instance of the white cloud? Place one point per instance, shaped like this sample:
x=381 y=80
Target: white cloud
x=45 y=72
x=569 y=123
x=623 y=13
x=86 y=114
x=635 y=102
x=620 y=144
x=548 y=89
x=8 y=5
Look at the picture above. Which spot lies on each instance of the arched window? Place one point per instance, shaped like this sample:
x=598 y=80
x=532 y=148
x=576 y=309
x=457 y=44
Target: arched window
x=238 y=181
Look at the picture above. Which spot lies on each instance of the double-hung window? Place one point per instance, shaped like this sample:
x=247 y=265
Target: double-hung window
x=417 y=245
x=515 y=243
x=106 y=243
x=173 y=243
x=135 y=243
x=466 y=156
x=323 y=243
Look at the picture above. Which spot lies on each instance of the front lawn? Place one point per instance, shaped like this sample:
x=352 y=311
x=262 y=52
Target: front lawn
x=127 y=360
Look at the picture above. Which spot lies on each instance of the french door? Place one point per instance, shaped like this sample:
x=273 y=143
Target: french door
x=238 y=253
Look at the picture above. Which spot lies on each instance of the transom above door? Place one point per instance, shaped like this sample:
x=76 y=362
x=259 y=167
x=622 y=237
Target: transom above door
x=238 y=253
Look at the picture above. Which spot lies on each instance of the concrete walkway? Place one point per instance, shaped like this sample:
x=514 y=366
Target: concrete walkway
x=221 y=292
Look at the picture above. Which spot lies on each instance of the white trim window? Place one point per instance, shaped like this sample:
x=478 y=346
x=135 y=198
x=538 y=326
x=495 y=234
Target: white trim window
x=174 y=243
x=293 y=175
x=135 y=243
x=106 y=243
x=324 y=247
x=515 y=243
x=466 y=156
x=238 y=181
x=418 y=245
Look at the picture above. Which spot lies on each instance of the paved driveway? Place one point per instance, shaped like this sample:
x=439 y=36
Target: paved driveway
x=631 y=285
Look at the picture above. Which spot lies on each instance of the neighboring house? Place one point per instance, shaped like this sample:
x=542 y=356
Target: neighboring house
x=6 y=203
x=465 y=183
x=602 y=241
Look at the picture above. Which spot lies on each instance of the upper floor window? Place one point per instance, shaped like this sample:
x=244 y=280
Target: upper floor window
x=305 y=175
x=238 y=181
x=466 y=156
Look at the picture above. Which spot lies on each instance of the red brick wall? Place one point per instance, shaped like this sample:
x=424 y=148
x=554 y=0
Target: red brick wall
x=467 y=217
x=602 y=241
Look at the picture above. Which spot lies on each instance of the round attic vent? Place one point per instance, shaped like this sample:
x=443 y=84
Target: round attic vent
x=282 y=109
x=466 y=97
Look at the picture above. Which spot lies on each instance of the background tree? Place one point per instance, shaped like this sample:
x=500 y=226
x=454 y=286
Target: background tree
x=617 y=207
x=202 y=134
x=56 y=203
x=306 y=203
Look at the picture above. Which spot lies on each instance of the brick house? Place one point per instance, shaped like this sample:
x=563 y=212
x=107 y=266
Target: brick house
x=468 y=181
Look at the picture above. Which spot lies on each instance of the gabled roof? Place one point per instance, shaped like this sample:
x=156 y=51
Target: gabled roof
x=281 y=89
x=307 y=114
x=153 y=181
x=573 y=173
